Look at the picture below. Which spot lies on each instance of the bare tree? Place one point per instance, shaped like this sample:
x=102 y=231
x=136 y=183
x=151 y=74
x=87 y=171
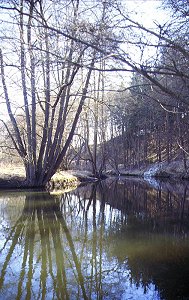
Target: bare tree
x=43 y=44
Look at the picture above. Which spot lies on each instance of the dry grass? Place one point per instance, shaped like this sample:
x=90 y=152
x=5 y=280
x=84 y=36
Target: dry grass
x=11 y=176
x=10 y=170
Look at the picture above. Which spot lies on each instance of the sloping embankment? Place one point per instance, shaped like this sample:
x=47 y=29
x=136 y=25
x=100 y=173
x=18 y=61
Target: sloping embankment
x=173 y=169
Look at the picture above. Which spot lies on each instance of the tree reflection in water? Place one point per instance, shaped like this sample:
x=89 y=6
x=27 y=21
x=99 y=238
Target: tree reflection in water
x=39 y=232
x=112 y=241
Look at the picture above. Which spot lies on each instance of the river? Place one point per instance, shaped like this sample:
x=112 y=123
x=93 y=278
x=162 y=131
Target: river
x=118 y=239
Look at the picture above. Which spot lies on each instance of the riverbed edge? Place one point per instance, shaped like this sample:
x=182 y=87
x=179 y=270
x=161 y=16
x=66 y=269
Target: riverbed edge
x=173 y=170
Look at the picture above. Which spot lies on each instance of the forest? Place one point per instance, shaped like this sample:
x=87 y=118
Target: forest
x=90 y=85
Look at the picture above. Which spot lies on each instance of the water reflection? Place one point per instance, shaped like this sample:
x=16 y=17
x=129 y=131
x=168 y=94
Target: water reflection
x=115 y=240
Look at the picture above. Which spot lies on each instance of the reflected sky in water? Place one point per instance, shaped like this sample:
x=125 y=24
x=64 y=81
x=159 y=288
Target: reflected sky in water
x=116 y=240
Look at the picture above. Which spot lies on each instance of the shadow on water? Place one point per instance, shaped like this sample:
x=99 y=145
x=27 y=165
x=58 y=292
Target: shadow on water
x=115 y=240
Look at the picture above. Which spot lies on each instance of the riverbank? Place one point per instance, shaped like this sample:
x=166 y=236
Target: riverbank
x=13 y=177
x=174 y=169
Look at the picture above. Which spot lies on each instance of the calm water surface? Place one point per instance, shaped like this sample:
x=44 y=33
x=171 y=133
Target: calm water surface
x=119 y=239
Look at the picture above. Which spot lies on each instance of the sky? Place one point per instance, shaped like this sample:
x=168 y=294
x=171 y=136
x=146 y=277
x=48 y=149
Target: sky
x=148 y=11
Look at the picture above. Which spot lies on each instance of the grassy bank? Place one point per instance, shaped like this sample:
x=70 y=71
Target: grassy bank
x=11 y=176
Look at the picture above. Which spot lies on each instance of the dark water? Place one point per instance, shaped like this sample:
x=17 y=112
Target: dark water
x=115 y=240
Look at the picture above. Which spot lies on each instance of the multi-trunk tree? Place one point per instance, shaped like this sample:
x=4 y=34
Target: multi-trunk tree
x=45 y=72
